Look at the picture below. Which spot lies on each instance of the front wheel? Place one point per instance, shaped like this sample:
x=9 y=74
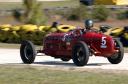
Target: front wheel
x=117 y=57
x=27 y=52
x=80 y=54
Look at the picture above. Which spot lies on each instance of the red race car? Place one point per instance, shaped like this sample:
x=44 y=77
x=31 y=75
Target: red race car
x=78 y=45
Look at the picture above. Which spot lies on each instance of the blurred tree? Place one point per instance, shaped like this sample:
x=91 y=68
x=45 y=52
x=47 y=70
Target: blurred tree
x=100 y=13
x=78 y=13
x=33 y=12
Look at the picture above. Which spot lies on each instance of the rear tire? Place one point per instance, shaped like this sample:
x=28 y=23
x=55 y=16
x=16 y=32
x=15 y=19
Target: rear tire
x=117 y=58
x=80 y=54
x=27 y=52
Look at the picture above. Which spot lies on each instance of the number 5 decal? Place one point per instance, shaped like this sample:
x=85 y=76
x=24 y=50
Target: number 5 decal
x=103 y=42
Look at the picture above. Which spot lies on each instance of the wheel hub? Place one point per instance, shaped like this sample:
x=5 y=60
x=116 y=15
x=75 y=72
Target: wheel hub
x=28 y=53
x=80 y=54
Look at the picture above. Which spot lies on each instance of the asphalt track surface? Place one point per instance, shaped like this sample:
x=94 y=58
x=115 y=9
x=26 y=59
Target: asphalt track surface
x=12 y=56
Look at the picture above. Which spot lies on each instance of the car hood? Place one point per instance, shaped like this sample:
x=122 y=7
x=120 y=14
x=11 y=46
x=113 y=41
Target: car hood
x=55 y=36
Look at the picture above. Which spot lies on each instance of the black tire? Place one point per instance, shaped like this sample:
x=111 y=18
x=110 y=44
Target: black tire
x=117 y=58
x=27 y=52
x=80 y=54
x=65 y=59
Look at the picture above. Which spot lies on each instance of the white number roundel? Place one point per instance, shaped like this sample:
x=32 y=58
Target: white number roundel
x=103 y=42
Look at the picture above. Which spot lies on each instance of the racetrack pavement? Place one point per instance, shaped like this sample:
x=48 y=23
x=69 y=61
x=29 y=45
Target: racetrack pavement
x=12 y=56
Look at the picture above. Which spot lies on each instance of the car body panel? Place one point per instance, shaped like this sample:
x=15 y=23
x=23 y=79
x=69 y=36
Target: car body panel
x=60 y=45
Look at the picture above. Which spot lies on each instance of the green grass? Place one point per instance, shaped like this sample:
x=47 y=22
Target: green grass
x=9 y=45
x=52 y=4
x=49 y=4
x=10 y=5
x=15 y=46
x=30 y=75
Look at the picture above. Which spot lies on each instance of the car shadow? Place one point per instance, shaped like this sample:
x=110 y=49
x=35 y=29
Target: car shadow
x=97 y=64
x=59 y=63
x=56 y=63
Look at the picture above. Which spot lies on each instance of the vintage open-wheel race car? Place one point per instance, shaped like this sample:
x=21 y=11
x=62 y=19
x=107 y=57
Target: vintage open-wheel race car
x=78 y=45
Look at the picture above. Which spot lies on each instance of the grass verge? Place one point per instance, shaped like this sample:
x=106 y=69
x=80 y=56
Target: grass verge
x=54 y=4
x=9 y=46
x=30 y=75
x=45 y=4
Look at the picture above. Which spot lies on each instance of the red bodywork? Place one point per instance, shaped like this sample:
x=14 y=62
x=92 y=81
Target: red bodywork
x=60 y=45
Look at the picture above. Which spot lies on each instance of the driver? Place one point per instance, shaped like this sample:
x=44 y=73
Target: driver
x=88 y=24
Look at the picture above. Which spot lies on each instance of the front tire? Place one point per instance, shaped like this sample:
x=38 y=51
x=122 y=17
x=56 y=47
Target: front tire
x=80 y=54
x=27 y=52
x=117 y=58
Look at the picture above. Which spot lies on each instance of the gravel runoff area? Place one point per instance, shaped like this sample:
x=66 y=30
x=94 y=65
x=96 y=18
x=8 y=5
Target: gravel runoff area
x=12 y=56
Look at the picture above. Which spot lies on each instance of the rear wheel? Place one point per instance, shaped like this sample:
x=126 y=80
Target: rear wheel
x=80 y=54
x=117 y=57
x=27 y=52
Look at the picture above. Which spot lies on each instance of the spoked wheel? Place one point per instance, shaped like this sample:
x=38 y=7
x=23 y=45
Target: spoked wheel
x=117 y=57
x=80 y=54
x=65 y=59
x=27 y=52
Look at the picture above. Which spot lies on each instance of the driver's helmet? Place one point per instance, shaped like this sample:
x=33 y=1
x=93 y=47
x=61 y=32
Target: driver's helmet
x=88 y=24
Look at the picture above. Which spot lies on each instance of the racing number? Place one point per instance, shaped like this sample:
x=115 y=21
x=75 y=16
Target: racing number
x=103 y=42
